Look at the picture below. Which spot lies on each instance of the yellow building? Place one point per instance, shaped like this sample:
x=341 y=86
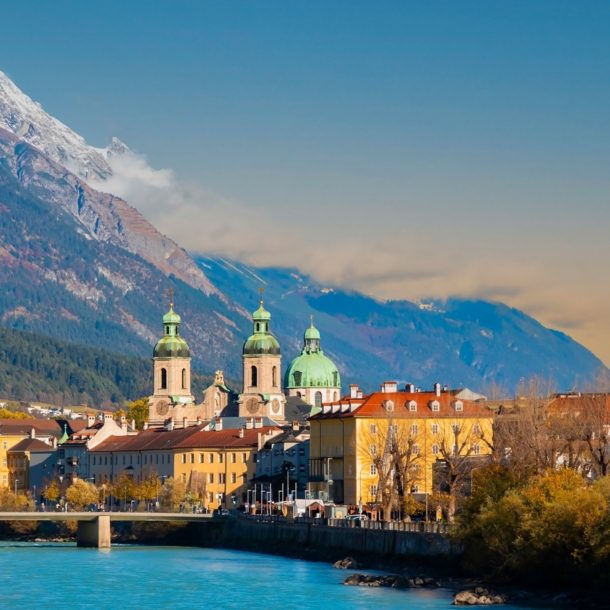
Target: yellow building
x=367 y=443
x=218 y=463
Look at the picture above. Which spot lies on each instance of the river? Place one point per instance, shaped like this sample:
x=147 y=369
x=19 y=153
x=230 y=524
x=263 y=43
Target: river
x=47 y=575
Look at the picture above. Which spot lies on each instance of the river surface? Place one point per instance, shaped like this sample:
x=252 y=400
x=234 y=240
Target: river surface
x=46 y=575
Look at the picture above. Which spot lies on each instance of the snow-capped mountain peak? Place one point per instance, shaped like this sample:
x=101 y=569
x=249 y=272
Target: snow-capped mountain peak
x=25 y=118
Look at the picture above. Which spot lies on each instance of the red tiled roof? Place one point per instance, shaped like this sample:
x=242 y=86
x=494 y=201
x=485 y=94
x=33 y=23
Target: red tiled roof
x=149 y=440
x=31 y=444
x=23 y=426
x=225 y=438
x=371 y=405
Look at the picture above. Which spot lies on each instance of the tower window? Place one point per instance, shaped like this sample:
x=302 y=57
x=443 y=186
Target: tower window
x=164 y=379
x=274 y=376
x=335 y=380
x=184 y=379
x=258 y=327
x=297 y=378
x=335 y=397
x=319 y=400
x=254 y=377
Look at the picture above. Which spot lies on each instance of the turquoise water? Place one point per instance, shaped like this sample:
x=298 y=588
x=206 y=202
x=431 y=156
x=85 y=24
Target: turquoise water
x=61 y=576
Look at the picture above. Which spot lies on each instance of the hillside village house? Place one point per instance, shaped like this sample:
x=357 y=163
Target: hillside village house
x=349 y=438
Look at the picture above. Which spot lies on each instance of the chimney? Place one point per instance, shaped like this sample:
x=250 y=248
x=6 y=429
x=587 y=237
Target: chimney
x=359 y=394
x=54 y=443
x=353 y=390
x=124 y=426
x=107 y=416
x=218 y=426
x=258 y=422
x=389 y=386
x=445 y=388
x=145 y=425
x=241 y=433
x=325 y=409
x=248 y=423
x=198 y=423
x=295 y=425
x=169 y=424
x=33 y=433
x=123 y=420
x=410 y=388
x=185 y=422
x=437 y=389
x=90 y=420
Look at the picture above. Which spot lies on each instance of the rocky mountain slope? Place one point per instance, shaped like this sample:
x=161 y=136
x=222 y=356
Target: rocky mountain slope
x=83 y=265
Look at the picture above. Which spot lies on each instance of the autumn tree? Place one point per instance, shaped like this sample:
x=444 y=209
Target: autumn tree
x=173 y=492
x=124 y=488
x=81 y=493
x=6 y=414
x=52 y=490
x=149 y=487
x=138 y=411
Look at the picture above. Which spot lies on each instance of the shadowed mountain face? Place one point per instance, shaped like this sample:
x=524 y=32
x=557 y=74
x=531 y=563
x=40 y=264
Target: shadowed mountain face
x=470 y=343
x=82 y=265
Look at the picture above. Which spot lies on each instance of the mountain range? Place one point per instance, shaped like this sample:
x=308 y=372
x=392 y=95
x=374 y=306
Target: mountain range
x=82 y=265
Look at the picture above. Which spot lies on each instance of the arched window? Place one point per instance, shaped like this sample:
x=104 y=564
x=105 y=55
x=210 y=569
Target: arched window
x=299 y=394
x=335 y=378
x=164 y=379
x=335 y=397
x=184 y=379
x=254 y=377
x=258 y=327
x=274 y=376
x=297 y=378
x=319 y=400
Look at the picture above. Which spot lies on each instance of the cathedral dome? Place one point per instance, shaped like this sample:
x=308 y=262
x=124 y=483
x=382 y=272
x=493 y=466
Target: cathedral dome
x=312 y=369
x=172 y=345
x=262 y=342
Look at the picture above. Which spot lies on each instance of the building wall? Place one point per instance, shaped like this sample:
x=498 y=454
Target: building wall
x=6 y=442
x=308 y=394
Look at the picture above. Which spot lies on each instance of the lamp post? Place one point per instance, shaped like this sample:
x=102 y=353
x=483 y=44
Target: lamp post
x=360 y=478
x=104 y=496
x=16 y=481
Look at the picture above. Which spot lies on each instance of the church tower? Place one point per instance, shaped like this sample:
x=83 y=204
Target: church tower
x=171 y=373
x=262 y=382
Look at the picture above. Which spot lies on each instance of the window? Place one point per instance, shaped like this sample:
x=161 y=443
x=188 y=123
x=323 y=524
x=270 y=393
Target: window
x=415 y=450
x=258 y=327
x=434 y=449
x=164 y=379
x=373 y=490
x=163 y=459
x=373 y=428
x=130 y=460
x=192 y=458
x=415 y=489
x=459 y=405
x=349 y=428
x=335 y=396
x=211 y=477
x=455 y=428
x=373 y=470
x=4 y=445
x=123 y=460
x=349 y=469
x=210 y=497
x=476 y=429
x=476 y=450
x=221 y=478
x=336 y=450
x=220 y=458
x=169 y=459
x=184 y=477
x=157 y=458
x=184 y=379
x=412 y=406
x=435 y=429
x=244 y=458
x=414 y=429
x=201 y=458
x=244 y=478
x=435 y=406
x=233 y=458
x=323 y=430
x=274 y=376
x=336 y=430
x=394 y=428
x=254 y=377
x=319 y=400
x=388 y=405
x=415 y=468
x=184 y=458
x=233 y=478
x=373 y=449
x=302 y=468
x=93 y=461
x=4 y=476
x=297 y=379
x=211 y=458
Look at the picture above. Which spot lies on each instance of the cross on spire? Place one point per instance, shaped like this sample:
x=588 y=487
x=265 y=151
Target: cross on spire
x=170 y=292
x=261 y=290
x=311 y=321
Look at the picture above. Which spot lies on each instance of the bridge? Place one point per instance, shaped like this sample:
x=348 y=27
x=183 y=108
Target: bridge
x=94 y=528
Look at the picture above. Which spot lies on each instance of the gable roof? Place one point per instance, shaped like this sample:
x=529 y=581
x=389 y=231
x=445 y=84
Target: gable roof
x=153 y=439
x=32 y=445
x=18 y=427
x=225 y=438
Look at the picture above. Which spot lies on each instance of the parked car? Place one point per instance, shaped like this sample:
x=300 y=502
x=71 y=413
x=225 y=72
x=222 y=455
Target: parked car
x=357 y=517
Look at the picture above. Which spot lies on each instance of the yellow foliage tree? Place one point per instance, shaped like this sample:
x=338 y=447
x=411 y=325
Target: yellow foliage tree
x=138 y=411
x=173 y=492
x=6 y=414
x=52 y=491
x=81 y=493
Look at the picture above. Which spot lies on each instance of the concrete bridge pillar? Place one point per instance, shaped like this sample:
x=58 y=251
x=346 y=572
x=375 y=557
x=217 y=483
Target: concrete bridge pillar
x=95 y=533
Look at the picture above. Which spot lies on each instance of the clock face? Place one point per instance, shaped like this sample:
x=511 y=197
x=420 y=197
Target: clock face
x=275 y=405
x=252 y=405
x=162 y=408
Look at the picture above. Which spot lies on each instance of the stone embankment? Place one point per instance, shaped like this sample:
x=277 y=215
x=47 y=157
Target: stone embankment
x=478 y=597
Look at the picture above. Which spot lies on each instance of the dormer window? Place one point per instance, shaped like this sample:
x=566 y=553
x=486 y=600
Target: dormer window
x=412 y=405
x=388 y=405
x=435 y=406
x=458 y=405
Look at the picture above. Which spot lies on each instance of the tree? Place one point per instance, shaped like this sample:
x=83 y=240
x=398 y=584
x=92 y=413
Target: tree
x=124 y=488
x=173 y=492
x=138 y=411
x=81 y=493
x=148 y=489
x=6 y=414
x=52 y=491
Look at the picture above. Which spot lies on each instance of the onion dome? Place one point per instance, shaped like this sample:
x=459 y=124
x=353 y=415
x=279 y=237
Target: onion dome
x=312 y=369
x=172 y=345
x=262 y=342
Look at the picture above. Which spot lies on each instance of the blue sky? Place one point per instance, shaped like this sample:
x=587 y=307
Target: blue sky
x=419 y=148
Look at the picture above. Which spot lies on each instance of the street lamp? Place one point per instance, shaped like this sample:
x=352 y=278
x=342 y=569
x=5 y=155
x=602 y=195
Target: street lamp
x=360 y=478
x=16 y=481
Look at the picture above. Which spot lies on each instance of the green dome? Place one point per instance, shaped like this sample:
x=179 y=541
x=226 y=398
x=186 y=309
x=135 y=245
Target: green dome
x=261 y=314
x=171 y=317
x=171 y=347
x=261 y=344
x=312 y=369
